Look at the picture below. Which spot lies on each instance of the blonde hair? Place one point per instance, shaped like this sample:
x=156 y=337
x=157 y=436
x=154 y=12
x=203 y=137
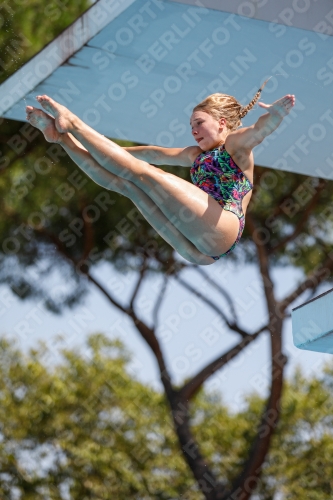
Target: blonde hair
x=226 y=106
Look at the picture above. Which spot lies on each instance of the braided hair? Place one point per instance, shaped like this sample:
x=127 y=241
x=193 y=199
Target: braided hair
x=227 y=107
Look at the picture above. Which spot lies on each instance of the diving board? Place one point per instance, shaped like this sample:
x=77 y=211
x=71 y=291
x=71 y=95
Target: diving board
x=312 y=324
x=134 y=69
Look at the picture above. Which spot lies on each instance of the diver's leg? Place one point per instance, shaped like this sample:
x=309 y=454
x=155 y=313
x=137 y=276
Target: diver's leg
x=106 y=179
x=196 y=215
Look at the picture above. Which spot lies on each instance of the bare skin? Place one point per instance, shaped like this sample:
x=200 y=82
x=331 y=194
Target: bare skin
x=101 y=176
x=185 y=216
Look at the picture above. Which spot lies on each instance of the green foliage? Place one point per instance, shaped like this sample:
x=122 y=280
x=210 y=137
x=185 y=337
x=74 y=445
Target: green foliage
x=293 y=216
x=87 y=427
x=27 y=26
x=299 y=462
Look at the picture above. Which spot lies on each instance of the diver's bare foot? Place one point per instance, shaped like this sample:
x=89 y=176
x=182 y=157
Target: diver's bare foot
x=64 y=119
x=45 y=123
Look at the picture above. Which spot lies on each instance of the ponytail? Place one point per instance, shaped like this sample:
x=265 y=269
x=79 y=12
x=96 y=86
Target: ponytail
x=226 y=106
x=245 y=109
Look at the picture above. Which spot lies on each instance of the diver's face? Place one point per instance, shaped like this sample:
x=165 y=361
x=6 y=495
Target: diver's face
x=206 y=130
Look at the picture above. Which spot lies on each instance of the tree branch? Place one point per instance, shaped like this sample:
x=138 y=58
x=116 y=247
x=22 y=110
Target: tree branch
x=311 y=282
x=270 y=416
x=146 y=332
x=158 y=302
x=262 y=250
x=105 y=293
x=89 y=237
x=221 y=290
x=63 y=252
x=191 y=387
x=138 y=284
x=233 y=326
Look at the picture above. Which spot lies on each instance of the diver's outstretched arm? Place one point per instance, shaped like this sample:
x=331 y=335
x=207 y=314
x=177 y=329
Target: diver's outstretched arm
x=248 y=137
x=181 y=157
x=155 y=155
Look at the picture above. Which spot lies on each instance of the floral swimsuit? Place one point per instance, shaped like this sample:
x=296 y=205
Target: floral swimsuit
x=217 y=174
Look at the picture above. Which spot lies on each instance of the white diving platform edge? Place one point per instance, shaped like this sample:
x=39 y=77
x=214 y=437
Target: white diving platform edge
x=312 y=324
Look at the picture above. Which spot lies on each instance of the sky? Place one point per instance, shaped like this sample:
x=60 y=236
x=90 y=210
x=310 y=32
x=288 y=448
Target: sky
x=191 y=334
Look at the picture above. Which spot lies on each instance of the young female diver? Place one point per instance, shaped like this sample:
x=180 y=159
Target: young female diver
x=202 y=221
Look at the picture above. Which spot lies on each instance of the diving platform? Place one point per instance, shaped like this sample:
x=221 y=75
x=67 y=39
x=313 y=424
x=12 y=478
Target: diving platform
x=312 y=324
